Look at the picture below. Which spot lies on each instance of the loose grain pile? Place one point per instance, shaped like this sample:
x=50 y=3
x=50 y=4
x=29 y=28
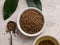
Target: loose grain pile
x=31 y=21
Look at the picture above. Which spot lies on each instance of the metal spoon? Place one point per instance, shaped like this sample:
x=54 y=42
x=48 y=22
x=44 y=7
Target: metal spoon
x=11 y=28
x=11 y=38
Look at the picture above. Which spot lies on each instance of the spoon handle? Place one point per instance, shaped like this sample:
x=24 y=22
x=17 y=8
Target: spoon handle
x=10 y=38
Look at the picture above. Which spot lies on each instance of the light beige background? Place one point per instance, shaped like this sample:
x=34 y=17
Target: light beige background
x=51 y=10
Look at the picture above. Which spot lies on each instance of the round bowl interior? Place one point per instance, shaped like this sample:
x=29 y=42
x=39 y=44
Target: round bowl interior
x=18 y=25
x=39 y=39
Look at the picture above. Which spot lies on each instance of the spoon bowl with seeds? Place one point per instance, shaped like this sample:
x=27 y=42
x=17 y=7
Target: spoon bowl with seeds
x=11 y=26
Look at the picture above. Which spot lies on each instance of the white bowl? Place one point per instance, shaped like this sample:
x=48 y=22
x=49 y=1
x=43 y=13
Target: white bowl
x=46 y=37
x=18 y=25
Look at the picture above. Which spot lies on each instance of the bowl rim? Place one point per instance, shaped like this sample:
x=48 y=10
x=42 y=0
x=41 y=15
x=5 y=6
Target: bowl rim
x=54 y=38
x=18 y=25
